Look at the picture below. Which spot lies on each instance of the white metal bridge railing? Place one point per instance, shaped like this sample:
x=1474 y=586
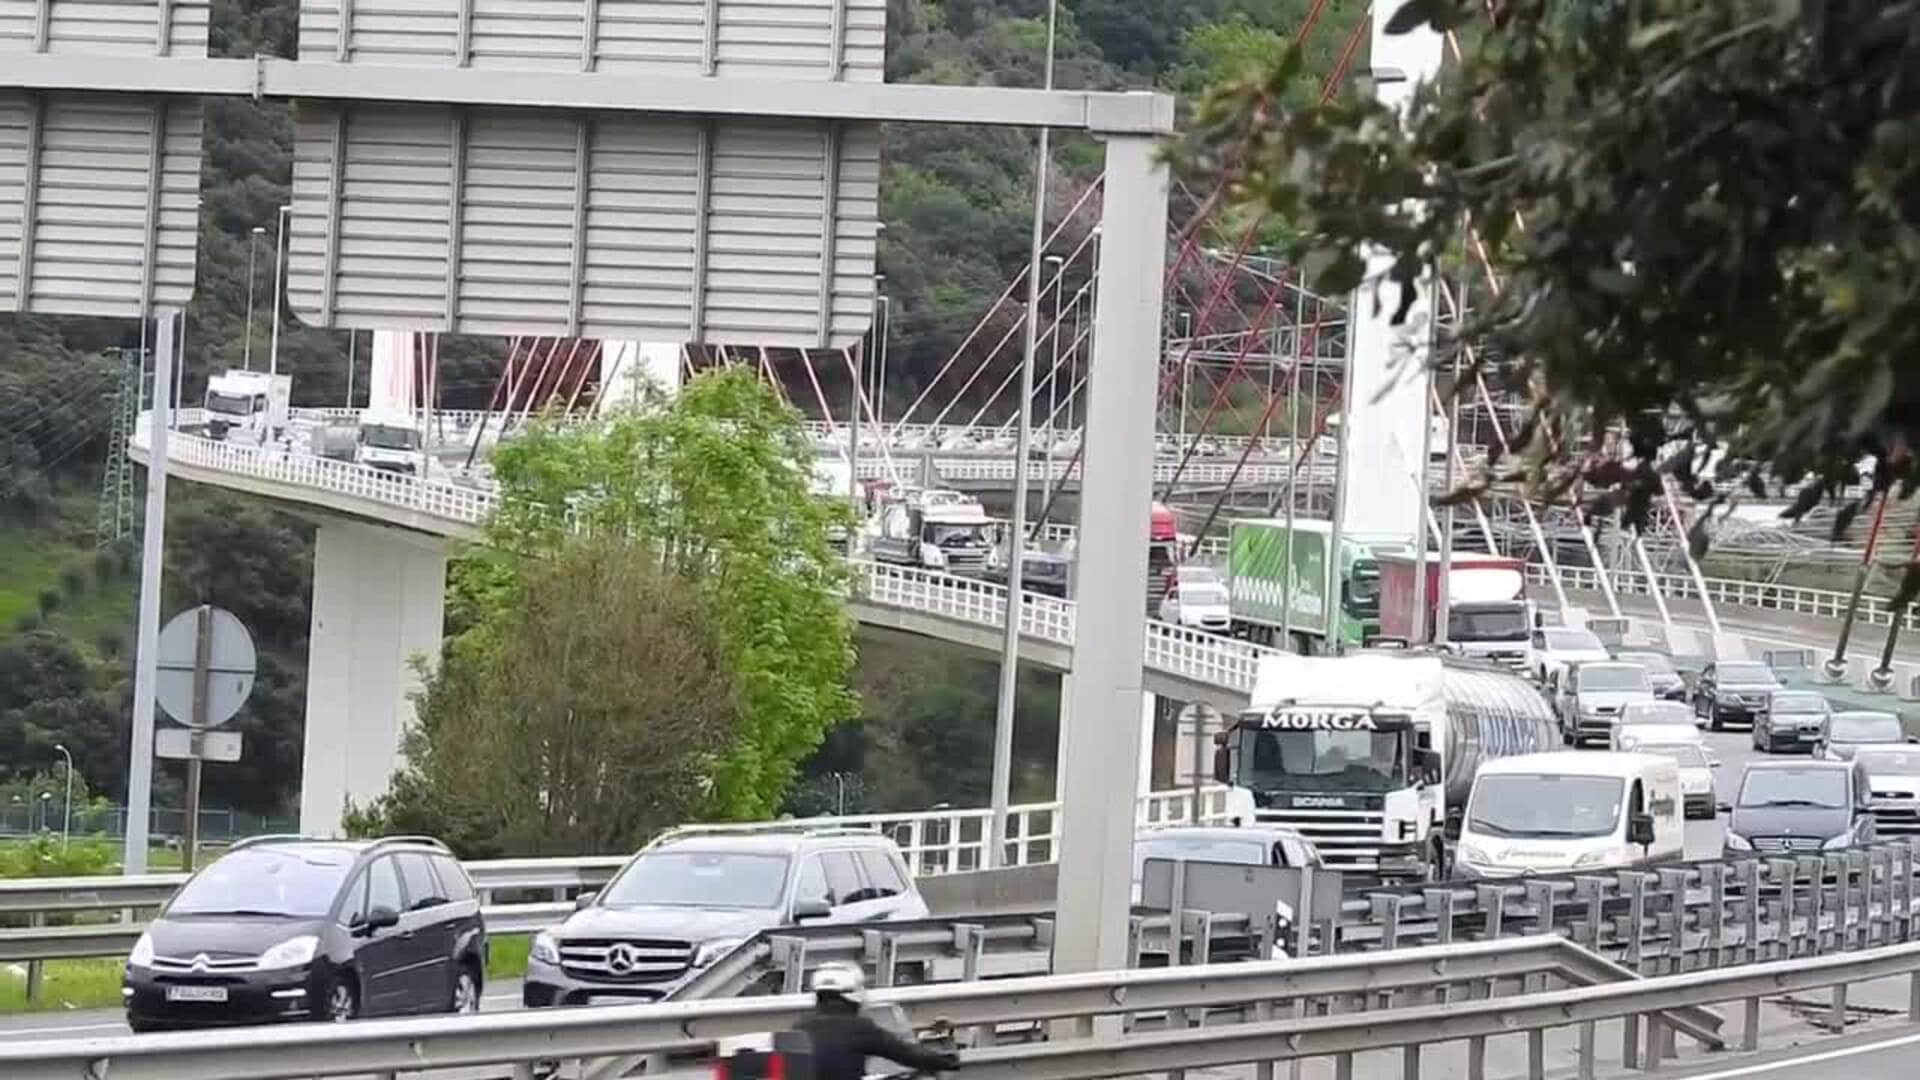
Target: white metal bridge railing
x=464 y=505
x=1756 y=595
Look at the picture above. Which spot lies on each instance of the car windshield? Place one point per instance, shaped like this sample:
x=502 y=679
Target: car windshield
x=1866 y=728
x=1825 y=788
x=1202 y=848
x=1744 y=673
x=700 y=879
x=1893 y=760
x=230 y=404
x=1545 y=805
x=1656 y=712
x=292 y=882
x=1573 y=641
x=1489 y=624
x=1198 y=575
x=1653 y=662
x=389 y=437
x=1322 y=761
x=1202 y=595
x=1798 y=703
x=1685 y=755
x=1614 y=677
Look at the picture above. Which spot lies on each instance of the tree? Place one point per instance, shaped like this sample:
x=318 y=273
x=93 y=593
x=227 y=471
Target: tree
x=718 y=483
x=1706 y=219
x=587 y=716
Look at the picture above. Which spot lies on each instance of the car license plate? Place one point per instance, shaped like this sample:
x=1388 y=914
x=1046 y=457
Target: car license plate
x=197 y=993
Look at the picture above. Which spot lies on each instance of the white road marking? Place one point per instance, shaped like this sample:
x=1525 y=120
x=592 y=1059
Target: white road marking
x=1809 y=1059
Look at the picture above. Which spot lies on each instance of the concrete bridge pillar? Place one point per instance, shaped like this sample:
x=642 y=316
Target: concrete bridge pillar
x=379 y=598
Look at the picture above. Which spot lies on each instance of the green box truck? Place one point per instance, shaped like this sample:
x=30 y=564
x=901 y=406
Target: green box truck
x=1259 y=560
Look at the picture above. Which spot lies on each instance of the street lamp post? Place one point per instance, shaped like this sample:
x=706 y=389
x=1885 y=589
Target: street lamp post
x=1057 y=267
x=253 y=248
x=46 y=804
x=279 y=269
x=66 y=815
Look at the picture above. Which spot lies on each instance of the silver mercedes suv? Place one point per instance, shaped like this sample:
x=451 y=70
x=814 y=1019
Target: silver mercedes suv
x=694 y=895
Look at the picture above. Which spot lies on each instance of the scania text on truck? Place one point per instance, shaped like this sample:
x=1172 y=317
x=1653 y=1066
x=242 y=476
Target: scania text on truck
x=392 y=441
x=1488 y=615
x=936 y=530
x=253 y=403
x=1370 y=756
x=1260 y=562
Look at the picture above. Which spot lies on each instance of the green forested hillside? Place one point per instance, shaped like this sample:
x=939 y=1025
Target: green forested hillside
x=956 y=203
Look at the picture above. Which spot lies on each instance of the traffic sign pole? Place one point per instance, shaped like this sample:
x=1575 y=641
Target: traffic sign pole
x=202 y=664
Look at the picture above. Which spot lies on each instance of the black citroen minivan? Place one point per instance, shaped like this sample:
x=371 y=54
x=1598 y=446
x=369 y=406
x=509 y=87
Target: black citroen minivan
x=289 y=928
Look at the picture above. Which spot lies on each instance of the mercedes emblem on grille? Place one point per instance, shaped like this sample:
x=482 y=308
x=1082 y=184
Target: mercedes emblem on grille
x=620 y=959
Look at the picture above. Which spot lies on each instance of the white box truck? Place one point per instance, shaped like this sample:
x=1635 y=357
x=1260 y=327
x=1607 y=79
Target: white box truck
x=392 y=441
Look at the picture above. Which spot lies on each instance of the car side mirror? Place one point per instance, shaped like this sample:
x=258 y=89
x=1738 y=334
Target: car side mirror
x=1640 y=829
x=1713 y=763
x=584 y=901
x=380 y=918
x=811 y=907
x=1723 y=808
x=1913 y=738
x=1222 y=765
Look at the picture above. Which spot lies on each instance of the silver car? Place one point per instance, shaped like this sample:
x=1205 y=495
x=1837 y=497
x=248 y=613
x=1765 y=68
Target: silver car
x=693 y=896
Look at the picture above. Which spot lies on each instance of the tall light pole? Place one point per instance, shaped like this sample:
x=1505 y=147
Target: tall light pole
x=1017 y=534
x=66 y=816
x=886 y=328
x=279 y=269
x=1055 y=266
x=253 y=248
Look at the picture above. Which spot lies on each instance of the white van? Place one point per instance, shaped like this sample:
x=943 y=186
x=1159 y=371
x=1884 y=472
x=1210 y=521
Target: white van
x=1568 y=810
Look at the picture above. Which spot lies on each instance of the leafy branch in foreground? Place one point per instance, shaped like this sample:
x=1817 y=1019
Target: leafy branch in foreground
x=1706 y=219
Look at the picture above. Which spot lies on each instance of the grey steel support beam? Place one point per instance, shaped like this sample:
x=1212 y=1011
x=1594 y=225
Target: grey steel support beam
x=30 y=197
x=42 y=25
x=582 y=190
x=463 y=33
x=343 y=34
x=163 y=29
x=156 y=163
x=456 y=208
x=829 y=226
x=837 y=41
x=1102 y=743
x=1130 y=113
x=589 y=34
x=710 y=41
x=702 y=213
x=336 y=197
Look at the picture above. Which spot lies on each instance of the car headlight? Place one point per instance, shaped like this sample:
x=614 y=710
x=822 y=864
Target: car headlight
x=1845 y=839
x=546 y=948
x=1736 y=842
x=142 y=954
x=932 y=555
x=293 y=952
x=709 y=951
x=1473 y=856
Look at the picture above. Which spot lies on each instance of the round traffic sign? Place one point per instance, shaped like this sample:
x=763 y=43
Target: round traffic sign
x=229 y=659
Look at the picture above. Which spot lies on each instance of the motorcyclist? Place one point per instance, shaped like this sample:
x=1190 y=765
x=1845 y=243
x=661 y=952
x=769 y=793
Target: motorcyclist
x=844 y=1038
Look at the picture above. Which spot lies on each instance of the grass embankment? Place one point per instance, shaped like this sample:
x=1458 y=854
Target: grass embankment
x=95 y=983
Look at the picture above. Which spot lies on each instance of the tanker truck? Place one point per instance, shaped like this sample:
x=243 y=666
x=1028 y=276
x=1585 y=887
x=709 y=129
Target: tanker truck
x=1371 y=755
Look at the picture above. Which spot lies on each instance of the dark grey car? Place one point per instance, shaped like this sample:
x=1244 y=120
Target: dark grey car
x=1793 y=722
x=1736 y=690
x=1800 y=807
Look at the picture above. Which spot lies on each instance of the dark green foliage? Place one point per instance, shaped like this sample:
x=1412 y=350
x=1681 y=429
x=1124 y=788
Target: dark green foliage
x=1703 y=216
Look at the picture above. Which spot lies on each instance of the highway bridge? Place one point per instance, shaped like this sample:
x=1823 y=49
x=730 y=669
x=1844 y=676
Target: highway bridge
x=381 y=555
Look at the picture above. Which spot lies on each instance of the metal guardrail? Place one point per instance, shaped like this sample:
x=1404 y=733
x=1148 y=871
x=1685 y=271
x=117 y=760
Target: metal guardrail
x=1755 y=595
x=1385 y=997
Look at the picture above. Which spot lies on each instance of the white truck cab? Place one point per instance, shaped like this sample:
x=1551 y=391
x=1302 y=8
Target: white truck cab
x=252 y=406
x=392 y=442
x=1564 y=811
